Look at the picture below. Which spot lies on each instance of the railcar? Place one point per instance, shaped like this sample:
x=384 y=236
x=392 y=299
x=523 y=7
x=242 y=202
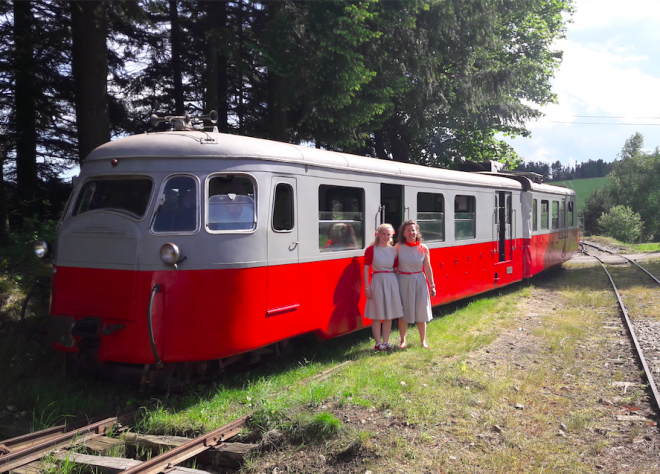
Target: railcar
x=181 y=250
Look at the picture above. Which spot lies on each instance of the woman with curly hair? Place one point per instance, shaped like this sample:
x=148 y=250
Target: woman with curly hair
x=415 y=278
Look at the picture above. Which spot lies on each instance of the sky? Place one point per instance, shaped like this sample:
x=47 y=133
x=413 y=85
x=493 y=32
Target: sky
x=610 y=69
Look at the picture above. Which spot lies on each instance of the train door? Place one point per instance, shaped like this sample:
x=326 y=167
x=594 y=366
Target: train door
x=392 y=205
x=564 y=226
x=503 y=227
x=283 y=247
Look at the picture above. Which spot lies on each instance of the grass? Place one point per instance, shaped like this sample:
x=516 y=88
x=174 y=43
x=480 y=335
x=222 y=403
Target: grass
x=583 y=187
x=415 y=409
x=625 y=248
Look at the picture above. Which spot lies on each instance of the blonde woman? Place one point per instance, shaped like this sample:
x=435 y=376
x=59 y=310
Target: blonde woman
x=383 y=297
x=413 y=271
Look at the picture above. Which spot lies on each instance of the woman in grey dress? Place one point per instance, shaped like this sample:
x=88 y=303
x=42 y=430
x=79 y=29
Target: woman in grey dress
x=383 y=298
x=415 y=278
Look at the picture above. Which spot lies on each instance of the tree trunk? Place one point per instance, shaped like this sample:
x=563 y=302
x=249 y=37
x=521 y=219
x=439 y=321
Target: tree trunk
x=277 y=108
x=217 y=79
x=4 y=213
x=239 y=99
x=25 y=113
x=177 y=75
x=379 y=145
x=277 y=99
x=89 y=29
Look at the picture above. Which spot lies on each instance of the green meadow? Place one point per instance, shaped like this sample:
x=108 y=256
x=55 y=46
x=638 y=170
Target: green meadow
x=583 y=187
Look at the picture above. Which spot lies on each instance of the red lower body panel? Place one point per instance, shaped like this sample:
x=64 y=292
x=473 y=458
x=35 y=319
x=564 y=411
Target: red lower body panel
x=549 y=250
x=211 y=314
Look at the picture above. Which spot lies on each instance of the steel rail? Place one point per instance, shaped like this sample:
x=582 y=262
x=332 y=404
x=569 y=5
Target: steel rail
x=622 y=256
x=22 y=442
x=213 y=439
x=34 y=446
x=647 y=370
x=13 y=460
x=19 y=443
x=171 y=458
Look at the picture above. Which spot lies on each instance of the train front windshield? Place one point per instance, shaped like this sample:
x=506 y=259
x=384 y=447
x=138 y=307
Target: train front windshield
x=125 y=195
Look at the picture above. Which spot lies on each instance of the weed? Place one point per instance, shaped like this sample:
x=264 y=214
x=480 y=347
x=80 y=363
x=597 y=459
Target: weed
x=266 y=418
x=320 y=427
x=599 y=446
x=580 y=421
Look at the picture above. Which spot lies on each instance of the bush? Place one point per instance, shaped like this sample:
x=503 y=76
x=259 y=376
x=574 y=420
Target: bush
x=622 y=223
x=595 y=205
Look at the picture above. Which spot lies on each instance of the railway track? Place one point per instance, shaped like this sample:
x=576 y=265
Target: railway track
x=632 y=329
x=25 y=454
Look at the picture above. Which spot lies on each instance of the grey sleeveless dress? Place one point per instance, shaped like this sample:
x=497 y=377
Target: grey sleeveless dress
x=412 y=284
x=385 y=301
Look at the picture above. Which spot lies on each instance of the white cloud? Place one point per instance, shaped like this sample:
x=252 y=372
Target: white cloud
x=542 y=155
x=611 y=68
x=593 y=81
x=601 y=12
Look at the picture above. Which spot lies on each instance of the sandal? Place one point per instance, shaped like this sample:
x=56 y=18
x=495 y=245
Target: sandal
x=379 y=347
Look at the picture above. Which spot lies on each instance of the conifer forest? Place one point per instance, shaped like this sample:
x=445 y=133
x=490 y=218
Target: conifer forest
x=433 y=82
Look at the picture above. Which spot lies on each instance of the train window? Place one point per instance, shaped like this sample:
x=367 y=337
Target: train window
x=465 y=217
x=177 y=206
x=545 y=214
x=129 y=195
x=231 y=203
x=562 y=215
x=431 y=216
x=534 y=216
x=283 y=207
x=340 y=218
x=570 y=214
x=555 y=214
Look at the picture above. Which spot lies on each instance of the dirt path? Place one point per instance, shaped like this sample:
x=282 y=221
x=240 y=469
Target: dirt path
x=573 y=402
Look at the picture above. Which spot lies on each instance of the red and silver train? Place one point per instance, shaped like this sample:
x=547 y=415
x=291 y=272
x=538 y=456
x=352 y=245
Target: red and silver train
x=186 y=246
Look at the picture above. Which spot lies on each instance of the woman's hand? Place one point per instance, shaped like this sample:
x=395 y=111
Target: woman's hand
x=433 y=292
x=367 y=292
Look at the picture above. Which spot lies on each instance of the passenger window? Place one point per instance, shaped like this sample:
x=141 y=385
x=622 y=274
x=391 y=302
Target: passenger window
x=465 y=217
x=555 y=214
x=545 y=211
x=570 y=214
x=177 y=206
x=231 y=203
x=562 y=215
x=431 y=216
x=340 y=218
x=534 y=216
x=283 y=207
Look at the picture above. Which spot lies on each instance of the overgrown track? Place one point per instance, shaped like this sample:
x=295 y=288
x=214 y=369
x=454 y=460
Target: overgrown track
x=19 y=453
x=627 y=319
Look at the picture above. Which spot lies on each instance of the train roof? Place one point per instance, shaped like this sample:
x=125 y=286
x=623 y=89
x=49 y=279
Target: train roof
x=200 y=145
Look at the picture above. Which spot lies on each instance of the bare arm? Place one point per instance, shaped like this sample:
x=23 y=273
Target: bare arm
x=367 y=288
x=428 y=271
x=396 y=259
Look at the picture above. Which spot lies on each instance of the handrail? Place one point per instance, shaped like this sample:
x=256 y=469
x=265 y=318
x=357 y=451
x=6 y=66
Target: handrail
x=154 y=290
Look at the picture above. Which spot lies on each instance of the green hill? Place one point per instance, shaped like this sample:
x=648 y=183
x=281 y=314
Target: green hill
x=583 y=187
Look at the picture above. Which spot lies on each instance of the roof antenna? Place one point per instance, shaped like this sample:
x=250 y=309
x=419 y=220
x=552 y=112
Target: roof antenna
x=183 y=122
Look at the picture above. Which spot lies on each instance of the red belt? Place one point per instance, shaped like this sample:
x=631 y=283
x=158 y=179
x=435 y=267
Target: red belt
x=406 y=273
x=381 y=272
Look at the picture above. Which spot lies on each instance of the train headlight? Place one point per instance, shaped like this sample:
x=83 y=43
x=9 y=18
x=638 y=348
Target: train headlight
x=169 y=254
x=41 y=248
